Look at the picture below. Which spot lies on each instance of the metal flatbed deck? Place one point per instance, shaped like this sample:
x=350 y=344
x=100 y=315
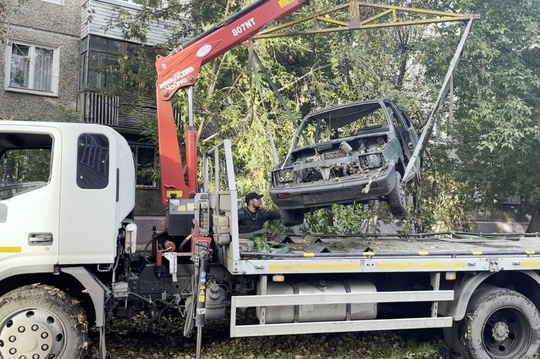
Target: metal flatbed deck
x=422 y=244
x=384 y=253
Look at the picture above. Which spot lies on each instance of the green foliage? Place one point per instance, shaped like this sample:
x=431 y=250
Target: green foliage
x=496 y=129
x=339 y=219
x=492 y=137
x=135 y=75
x=27 y=165
x=443 y=205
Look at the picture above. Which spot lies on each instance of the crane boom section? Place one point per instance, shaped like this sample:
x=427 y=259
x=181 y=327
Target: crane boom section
x=180 y=70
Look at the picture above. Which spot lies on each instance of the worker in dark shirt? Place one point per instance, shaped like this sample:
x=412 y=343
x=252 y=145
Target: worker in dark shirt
x=252 y=217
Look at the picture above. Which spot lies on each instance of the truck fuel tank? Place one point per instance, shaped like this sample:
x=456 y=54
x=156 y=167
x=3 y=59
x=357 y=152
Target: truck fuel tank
x=322 y=312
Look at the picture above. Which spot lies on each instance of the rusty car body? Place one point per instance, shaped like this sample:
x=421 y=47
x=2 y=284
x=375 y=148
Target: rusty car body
x=345 y=154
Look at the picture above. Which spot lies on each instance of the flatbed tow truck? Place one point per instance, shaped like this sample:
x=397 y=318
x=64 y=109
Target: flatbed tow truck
x=68 y=247
x=481 y=288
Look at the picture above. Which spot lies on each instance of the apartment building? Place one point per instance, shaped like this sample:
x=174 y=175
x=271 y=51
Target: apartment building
x=100 y=47
x=51 y=68
x=39 y=62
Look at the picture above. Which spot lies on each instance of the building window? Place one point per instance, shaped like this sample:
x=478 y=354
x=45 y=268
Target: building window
x=33 y=69
x=102 y=61
x=145 y=160
x=99 y=59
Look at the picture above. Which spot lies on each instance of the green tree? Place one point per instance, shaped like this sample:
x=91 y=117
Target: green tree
x=231 y=101
x=494 y=139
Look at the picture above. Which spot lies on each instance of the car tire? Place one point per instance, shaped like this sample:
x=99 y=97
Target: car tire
x=291 y=217
x=397 y=198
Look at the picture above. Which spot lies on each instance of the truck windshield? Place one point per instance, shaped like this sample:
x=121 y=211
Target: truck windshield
x=24 y=164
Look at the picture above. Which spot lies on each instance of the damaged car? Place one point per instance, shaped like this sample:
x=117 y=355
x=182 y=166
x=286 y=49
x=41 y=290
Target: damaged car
x=347 y=154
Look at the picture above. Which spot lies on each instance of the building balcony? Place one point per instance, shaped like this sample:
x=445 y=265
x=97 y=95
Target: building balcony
x=115 y=112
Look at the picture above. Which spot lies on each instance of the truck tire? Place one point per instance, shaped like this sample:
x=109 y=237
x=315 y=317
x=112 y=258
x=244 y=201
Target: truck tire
x=39 y=321
x=454 y=335
x=291 y=217
x=501 y=324
x=397 y=198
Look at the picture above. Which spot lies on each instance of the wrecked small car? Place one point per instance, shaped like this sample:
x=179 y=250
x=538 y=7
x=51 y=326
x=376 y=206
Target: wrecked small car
x=347 y=154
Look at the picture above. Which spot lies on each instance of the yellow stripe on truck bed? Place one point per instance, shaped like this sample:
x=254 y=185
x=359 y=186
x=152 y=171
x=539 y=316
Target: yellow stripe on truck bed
x=323 y=267
x=429 y=265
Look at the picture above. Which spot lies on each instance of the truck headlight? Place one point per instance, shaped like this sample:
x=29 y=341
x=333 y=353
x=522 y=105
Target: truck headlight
x=285 y=176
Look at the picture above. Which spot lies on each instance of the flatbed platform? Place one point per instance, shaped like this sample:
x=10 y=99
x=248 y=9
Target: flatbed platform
x=382 y=245
x=435 y=252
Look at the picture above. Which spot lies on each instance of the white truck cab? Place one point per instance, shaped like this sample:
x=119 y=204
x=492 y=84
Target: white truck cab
x=64 y=191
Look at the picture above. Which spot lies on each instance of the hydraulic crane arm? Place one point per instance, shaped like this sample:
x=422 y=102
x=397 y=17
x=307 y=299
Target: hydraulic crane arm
x=180 y=70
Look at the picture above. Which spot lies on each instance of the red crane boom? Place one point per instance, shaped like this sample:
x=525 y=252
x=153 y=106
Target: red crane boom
x=180 y=70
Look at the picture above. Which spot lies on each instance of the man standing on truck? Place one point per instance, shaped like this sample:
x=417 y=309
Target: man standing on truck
x=252 y=217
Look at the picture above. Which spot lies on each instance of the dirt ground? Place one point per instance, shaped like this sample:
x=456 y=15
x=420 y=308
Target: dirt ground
x=140 y=339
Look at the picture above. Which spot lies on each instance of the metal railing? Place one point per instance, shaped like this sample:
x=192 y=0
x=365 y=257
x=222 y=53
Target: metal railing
x=114 y=111
x=100 y=109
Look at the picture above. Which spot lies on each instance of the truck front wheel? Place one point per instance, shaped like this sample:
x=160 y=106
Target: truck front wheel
x=501 y=324
x=39 y=321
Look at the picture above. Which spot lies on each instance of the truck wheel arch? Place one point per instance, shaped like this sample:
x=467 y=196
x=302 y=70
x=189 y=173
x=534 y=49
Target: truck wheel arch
x=465 y=290
x=95 y=289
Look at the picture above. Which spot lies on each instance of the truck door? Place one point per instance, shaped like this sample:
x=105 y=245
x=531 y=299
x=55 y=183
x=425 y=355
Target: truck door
x=88 y=222
x=30 y=167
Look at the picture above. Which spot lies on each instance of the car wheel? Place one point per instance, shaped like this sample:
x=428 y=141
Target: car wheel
x=397 y=198
x=291 y=217
x=501 y=324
